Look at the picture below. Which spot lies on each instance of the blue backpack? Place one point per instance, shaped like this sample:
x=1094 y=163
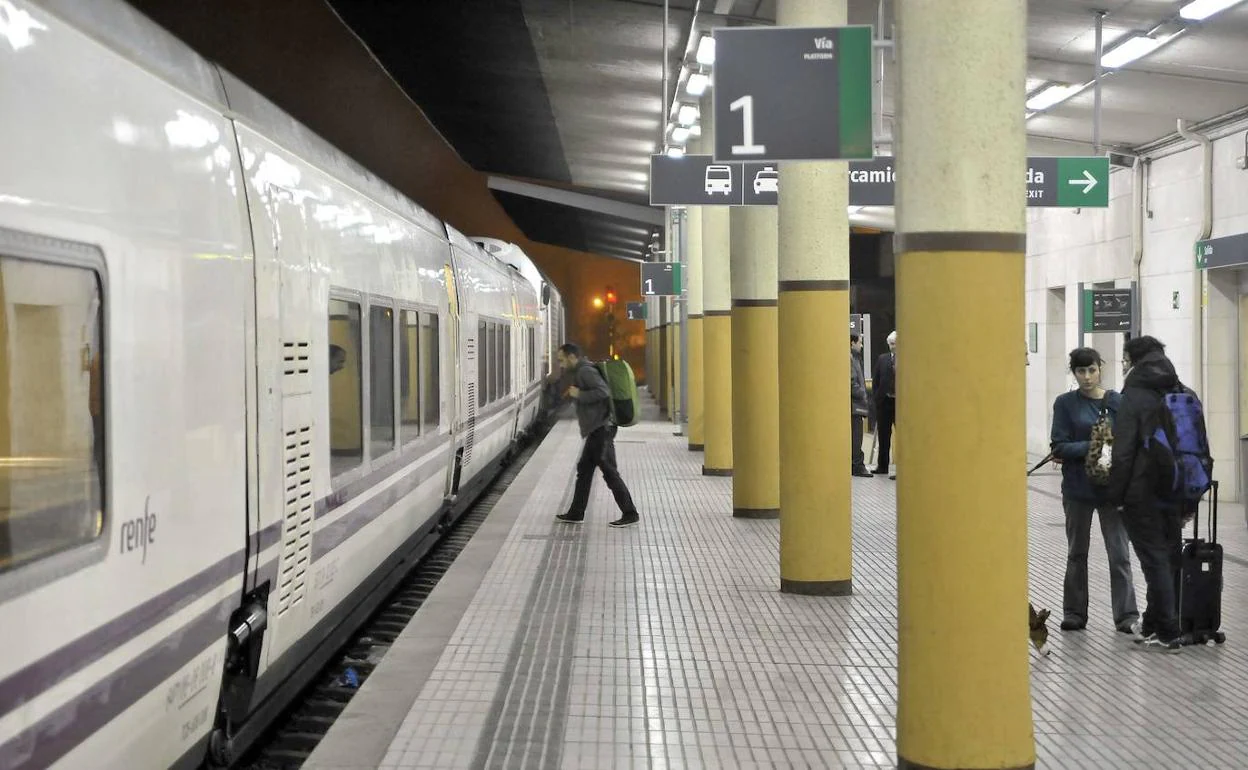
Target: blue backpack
x=1180 y=448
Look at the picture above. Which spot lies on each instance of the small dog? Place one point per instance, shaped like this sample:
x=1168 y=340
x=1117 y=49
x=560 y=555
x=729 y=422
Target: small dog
x=1039 y=630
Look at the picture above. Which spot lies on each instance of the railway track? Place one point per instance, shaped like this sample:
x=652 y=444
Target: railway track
x=294 y=736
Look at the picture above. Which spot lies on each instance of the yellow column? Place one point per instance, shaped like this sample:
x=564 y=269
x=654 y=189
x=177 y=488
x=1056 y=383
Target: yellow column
x=816 y=532
x=696 y=416
x=755 y=400
x=716 y=328
x=963 y=689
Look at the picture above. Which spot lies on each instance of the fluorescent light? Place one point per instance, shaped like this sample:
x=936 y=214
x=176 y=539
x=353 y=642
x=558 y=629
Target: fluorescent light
x=697 y=84
x=688 y=115
x=695 y=129
x=706 y=50
x=1054 y=94
x=1199 y=10
x=680 y=134
x=1029 y=116
x=851 y=210
x=1133 y=49
x=675 y=152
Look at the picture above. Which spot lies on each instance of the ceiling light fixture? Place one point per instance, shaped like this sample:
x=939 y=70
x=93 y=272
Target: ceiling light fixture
x=697 y=84
x=1133 y=49
x=1199 y=10
x=680 y=134
x=1051 y=95
x=706 y=50
x=695 y=129
x=675 y=152
x=688 y=114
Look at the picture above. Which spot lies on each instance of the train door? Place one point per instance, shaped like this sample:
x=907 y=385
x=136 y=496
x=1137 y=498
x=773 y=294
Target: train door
x=454 y=347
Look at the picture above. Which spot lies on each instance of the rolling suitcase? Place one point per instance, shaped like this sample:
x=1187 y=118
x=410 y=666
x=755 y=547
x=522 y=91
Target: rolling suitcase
x=1200 y=581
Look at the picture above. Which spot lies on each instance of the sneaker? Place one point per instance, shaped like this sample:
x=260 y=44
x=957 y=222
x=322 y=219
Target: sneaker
x=1156 y=644
x=570 y=519
x=1073 y=623
x=626 y=519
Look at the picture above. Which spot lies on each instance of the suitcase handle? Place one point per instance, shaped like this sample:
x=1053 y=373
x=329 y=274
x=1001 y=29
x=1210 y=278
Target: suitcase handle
x=1213 y=514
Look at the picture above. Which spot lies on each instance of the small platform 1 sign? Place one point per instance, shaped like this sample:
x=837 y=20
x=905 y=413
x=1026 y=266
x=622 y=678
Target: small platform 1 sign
x=1228 y=251
x=636 y=311
x=661 y=279
x=792 y=93
x=1107 y=310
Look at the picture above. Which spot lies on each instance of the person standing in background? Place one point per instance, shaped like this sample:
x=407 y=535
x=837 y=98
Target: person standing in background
x=858 y=407
x=884 y=379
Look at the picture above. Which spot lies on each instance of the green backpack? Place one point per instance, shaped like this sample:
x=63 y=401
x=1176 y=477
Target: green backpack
x=624 y=401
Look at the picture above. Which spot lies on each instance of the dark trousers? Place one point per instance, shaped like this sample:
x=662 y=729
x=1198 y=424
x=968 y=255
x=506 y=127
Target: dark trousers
x=885 y=416
x=1117 y=546
x=1157 y=534
x=855 y=433
x=599 y=453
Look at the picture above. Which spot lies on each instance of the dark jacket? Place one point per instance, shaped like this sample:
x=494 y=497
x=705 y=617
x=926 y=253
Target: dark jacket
x=857 y=388
x=884 y=377
x=1074 y=414
x=1132 y=477
x=593 y=408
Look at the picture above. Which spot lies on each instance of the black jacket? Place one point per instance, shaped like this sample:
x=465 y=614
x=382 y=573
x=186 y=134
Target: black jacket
x=1132 y=477
x=884 y=377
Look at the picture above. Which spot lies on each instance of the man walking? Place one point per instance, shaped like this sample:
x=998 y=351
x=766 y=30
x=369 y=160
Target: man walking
x=857 y=406
x=1154 y=526
x=593 y=414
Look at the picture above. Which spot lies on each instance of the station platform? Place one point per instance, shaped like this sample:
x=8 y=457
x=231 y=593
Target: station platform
x=669 y=645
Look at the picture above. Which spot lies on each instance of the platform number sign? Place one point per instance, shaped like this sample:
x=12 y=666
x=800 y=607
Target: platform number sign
x=636 y=311
x=660 y=279
x=792 y=93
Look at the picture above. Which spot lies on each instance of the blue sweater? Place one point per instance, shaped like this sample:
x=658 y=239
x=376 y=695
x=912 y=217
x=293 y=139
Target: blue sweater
x=1073 y=417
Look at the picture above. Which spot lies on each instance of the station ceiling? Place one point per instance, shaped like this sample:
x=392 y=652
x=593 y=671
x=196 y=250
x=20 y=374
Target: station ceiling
x=566 y=95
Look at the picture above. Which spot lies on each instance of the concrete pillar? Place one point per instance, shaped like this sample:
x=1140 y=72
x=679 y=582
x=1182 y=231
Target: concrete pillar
x=755 y=400
x=693 y=222
x=716 y=327
x=816 y=532
x=963 y=689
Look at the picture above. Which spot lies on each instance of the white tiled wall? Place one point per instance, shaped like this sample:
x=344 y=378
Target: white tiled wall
x=1069 y=246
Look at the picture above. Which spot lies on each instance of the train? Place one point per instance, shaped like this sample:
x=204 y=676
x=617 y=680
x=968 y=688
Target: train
x=246 y=385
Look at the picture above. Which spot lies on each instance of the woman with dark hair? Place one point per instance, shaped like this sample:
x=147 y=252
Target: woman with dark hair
x=1075 y=415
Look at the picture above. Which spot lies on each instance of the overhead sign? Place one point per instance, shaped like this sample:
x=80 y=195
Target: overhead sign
x=661 y=279
x=698 y=180
x=1229 y=251
x=855 y=323
x=792 y=93
x=1068 y=182
x=1107 y=310
x=636 y=311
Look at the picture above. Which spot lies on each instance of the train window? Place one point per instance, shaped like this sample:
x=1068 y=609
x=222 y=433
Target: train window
x=346 y=387
x=509 y=362
x=532 y=354
x=492 y=329
x=430 y=370
x=483 y=365
x=409 y=375
x=381 y=379
x=52 y=455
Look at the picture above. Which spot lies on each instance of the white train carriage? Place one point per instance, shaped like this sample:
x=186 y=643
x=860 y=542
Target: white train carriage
x=243 y=384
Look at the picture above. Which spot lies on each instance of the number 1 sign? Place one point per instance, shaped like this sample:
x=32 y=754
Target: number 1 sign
x=792 y=93
x=661 y=279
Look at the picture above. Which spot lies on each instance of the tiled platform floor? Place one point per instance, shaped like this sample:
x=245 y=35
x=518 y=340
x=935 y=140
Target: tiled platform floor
x=668 y=645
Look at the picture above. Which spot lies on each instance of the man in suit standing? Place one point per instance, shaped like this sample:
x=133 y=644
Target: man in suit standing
x=884 y=384
x=857 y=406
